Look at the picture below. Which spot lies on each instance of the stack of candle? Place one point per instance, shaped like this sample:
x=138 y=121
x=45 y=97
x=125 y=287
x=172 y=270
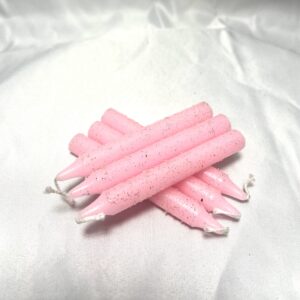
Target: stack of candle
x=168 y=162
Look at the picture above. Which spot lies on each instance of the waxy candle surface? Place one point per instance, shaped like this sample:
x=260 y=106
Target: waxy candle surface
x=211 y=198
x=80 y=144
x=150 y=156
x=221 y=181
x=187 y=210
x=118 y=121
x=101 y=133
x=171 y=200
x=89 y=162
x=154 y=180
x=193 y=187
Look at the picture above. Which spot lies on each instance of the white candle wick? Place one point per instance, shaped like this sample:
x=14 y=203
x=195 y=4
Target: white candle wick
x=65 y=196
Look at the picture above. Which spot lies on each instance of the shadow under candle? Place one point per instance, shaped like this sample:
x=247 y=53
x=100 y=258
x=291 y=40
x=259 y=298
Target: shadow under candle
x=112 y=221
x=228 y=161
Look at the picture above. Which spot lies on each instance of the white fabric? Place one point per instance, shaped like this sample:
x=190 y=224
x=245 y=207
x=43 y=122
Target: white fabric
x=62 y=63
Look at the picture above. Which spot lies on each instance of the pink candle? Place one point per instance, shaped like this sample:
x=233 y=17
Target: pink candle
x=80 y=144
x=211 y=198
x=172 y=201
x=187 y=210
x=221 y=181
x=101 y=132
x=91 y=161
x=207 y=196
x=148 y=157
x=156 y=179
x=123 y=124
x=119 y=122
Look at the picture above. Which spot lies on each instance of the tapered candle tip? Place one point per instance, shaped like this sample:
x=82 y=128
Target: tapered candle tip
x=231 y=189
x=79 y=190
x=98 y=217
x=69 y=200
x=73 y=170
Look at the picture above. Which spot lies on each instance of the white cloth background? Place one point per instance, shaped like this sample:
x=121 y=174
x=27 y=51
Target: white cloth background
x=62 y=63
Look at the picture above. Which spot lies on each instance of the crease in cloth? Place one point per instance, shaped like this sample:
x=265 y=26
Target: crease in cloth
x=251 y=34
x=142 y=48
x=231 y=52
x=159 y=16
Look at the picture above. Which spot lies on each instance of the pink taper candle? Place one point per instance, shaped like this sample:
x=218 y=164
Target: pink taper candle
x=221 y=181
x=148 y=157
x=211 y=198
x=80 y=144
x=172 y=201
x=119 y=121
x=187 y=210
x=156 y=179
x=212 y=176
x=92 y=161
x=208 y=196
x=101 y=133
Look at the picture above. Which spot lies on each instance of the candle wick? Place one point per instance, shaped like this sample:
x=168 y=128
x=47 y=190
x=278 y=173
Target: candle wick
x=65 y=196
x=249 y=182
x=98 y=217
